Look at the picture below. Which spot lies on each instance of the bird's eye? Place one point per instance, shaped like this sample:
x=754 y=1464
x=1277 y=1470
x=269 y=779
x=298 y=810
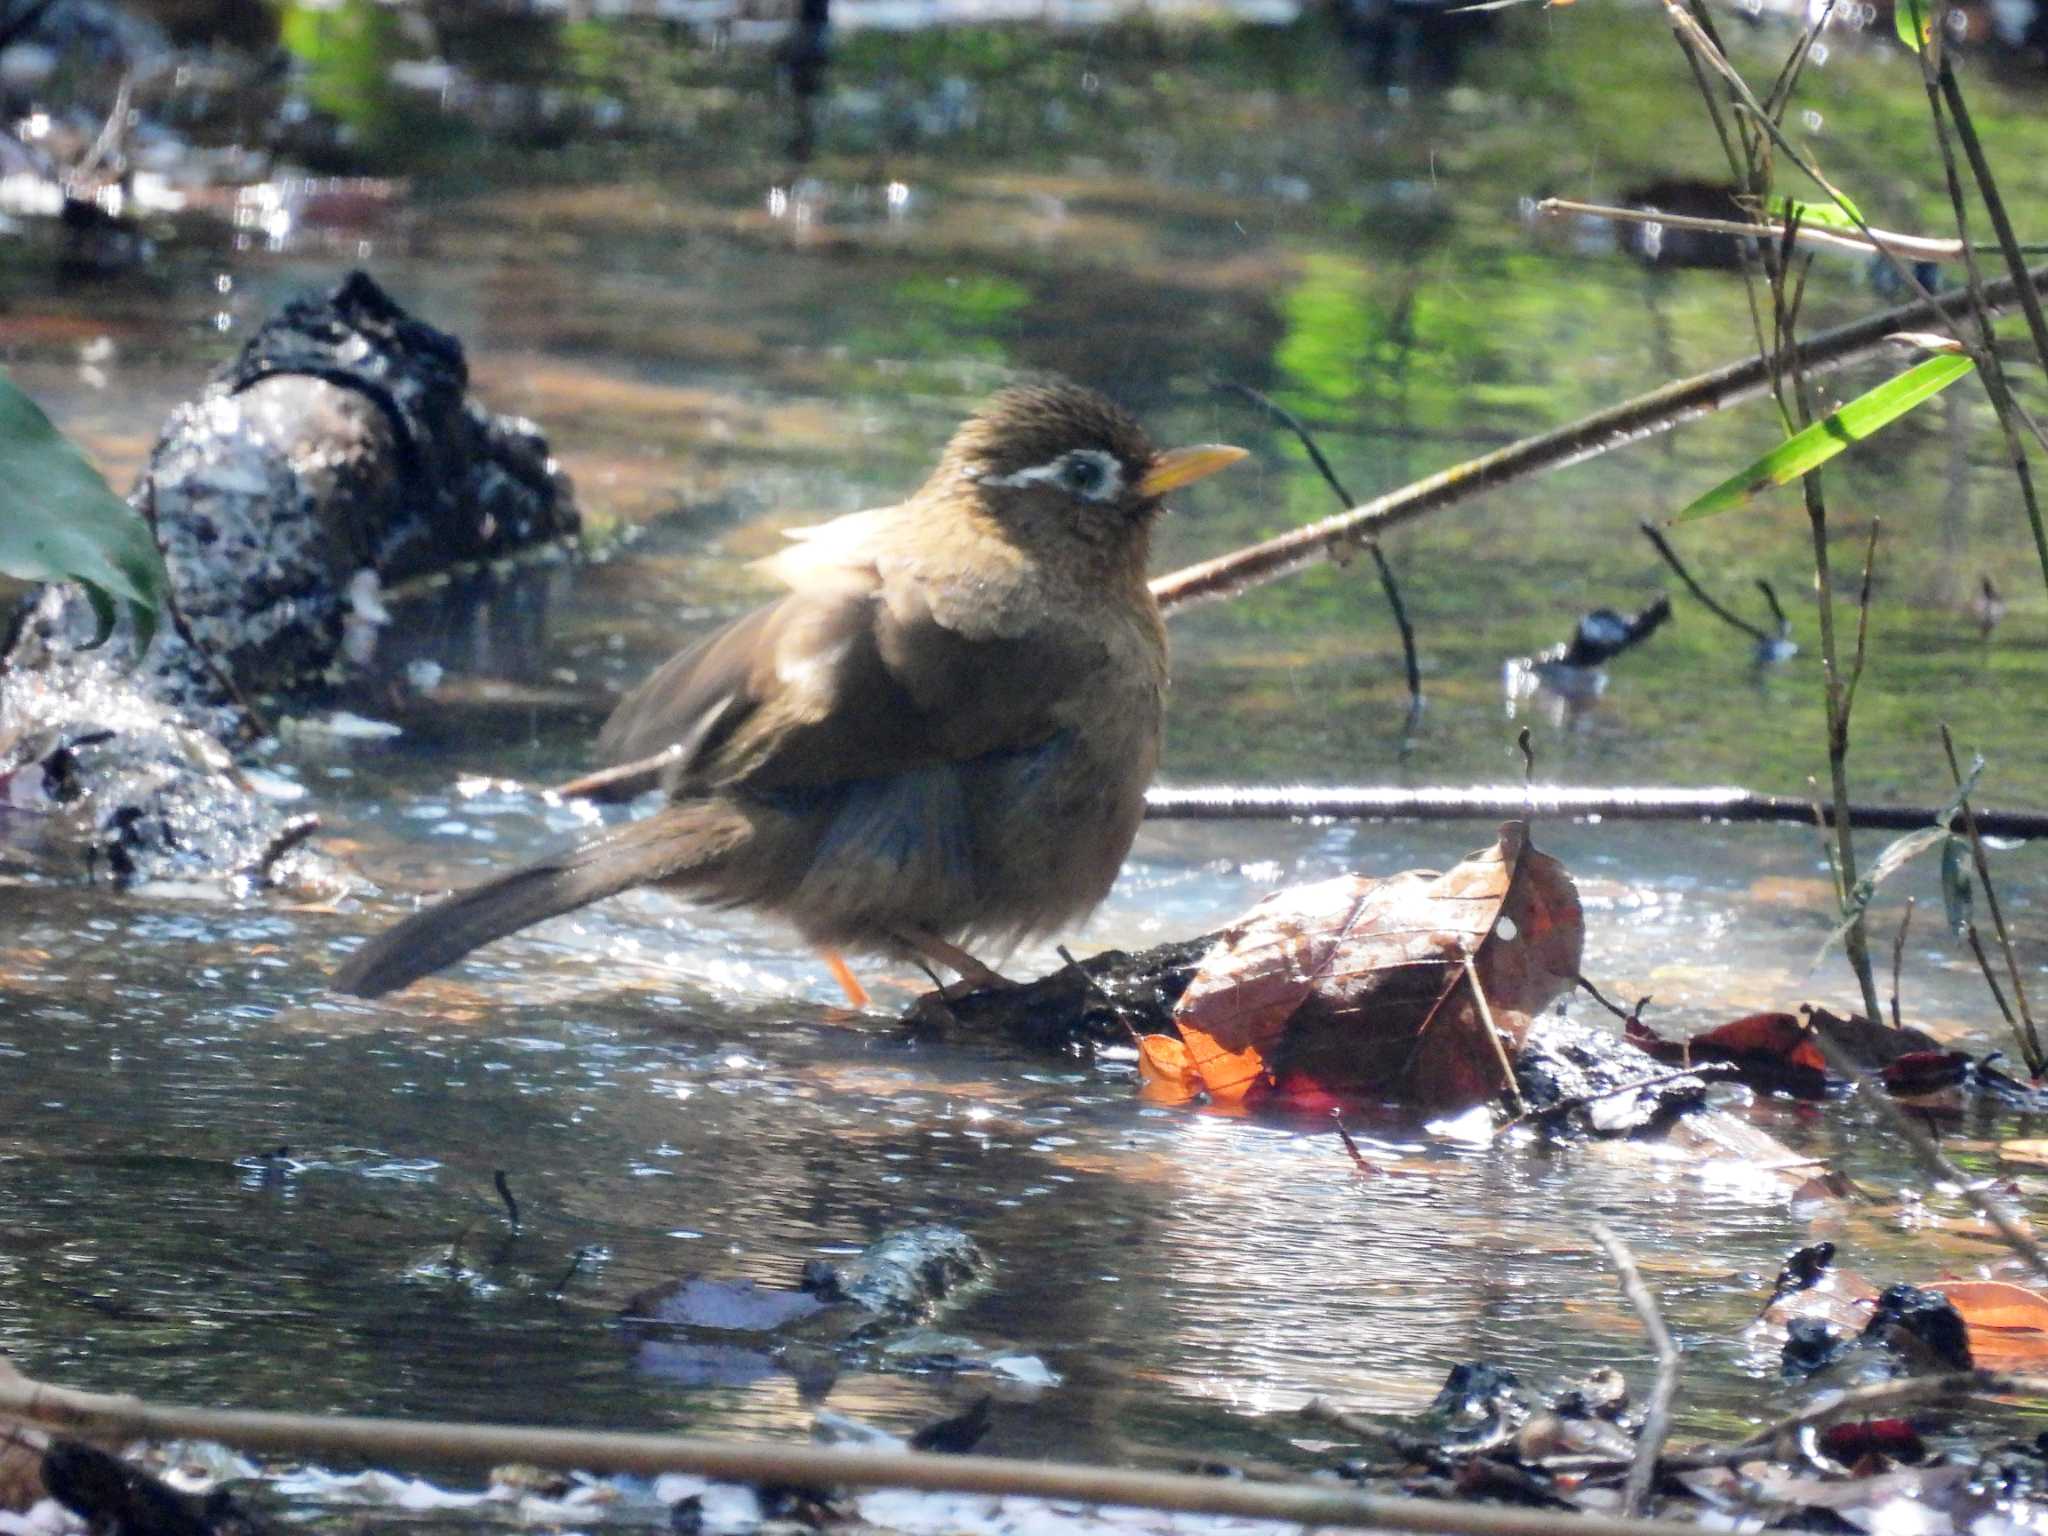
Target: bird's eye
x=1085 y=474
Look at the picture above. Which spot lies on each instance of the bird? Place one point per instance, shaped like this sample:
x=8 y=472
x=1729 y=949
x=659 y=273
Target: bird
x=941 y=733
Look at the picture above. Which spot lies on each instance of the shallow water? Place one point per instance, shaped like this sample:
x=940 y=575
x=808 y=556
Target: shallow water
x=718 y=348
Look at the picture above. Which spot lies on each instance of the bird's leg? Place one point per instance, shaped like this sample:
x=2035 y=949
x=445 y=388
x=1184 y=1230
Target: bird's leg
x=974 y=976
x=856 y=994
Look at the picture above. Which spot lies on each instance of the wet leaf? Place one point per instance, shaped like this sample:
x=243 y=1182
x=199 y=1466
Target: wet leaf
x=1897 y=854
x=1955 y=887
x=60 y=522
x=1356 y=986
x=1806 y=451
x=1771 y=1051
x=1870 y=1044
x=1924 y=1072
x=2008 y=1323
x=1169 y=1077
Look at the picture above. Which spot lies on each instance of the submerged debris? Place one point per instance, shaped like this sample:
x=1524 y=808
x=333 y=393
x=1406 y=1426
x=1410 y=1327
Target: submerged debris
x=340 y=442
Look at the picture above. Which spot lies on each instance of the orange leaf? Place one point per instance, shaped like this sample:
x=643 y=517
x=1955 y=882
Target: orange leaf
x=2008 y=1323
x=1163 y=1065
x=1357 y=987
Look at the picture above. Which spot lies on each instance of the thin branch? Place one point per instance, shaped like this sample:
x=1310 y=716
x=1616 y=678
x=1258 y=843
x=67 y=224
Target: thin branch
x=1859 y=1402
x=1507 y=1068
x=1663 y=545
x=1862 y=620
x=624 y=781
x=2012 y=1229
x=1912 y=247
x=489 y=1445
x=1899 y=959
x=1496 y=802
x=1580 y=1100
x=1388 y=585
x=1627 y=1016
x=2030 y=1040
x=1657 y=1417
x=1994 y=204
x=1992 y=370
x=1645 y=415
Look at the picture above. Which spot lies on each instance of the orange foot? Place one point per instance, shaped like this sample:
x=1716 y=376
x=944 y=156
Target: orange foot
x=856 y=994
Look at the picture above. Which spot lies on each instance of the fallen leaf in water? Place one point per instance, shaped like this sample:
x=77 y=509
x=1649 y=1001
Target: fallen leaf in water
x=1169 y=1077
x=1770 y=1051
x=2008 y=1323
x=1358 y=987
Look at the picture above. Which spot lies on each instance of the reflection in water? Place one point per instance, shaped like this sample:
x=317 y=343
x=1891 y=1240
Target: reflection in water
x=673 y=1091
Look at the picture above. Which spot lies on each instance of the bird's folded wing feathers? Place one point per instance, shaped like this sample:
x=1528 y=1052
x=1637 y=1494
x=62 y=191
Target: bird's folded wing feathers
x=837 y=684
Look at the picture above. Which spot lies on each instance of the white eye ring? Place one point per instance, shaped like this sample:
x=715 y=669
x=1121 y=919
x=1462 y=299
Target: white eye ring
x=1088 y=474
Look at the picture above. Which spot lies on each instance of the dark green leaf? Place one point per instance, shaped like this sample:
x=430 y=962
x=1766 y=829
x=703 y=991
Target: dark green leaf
x=60 y=522
x=1955 y=884
x=1806 y=451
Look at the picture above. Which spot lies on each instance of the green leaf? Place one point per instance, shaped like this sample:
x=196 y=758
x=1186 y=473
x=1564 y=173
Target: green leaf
x=1964 y=790
x=60 y=522
x=1828 y=215
x=1914 y=20
x=1900 y=852
x=1956 y=886
x=1806 y=451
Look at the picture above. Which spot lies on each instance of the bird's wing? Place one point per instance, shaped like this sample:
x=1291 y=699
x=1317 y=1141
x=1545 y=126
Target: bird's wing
x=841 y=680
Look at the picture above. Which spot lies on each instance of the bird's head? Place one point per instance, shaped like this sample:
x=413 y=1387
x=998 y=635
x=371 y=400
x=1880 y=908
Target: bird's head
x=1051 y=458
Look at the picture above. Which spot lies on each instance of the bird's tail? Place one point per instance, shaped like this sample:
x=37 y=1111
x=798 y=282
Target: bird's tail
x=672 y=843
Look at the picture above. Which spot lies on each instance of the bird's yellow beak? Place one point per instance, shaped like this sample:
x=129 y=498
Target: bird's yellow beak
x=1184 y=466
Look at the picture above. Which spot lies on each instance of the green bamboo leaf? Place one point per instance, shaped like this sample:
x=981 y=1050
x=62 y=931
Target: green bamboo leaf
x=1956 y=885
x=1828 y=215
x=60 y=522
x=1807 y=450
x=1914 y=20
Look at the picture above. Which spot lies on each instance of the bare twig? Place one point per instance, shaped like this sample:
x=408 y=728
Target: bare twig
x=1627 y=1016
x=2029 y=1040
x=1580 y=1100
x=1507 y=1068
x=1663 y=547
x=1899 y=959
x=1912 y=247
x=504 y=1188
x=2012 y=1229
x=1388 y=585
x=624 y=781
x=1857 y=1402
x=1647 y=414
x=489 y=1445
x=1994 y=204
x=1991 y=369
x=1862 y=618
x=1496 y=802
x=1976 y=943
x=1657 y=1417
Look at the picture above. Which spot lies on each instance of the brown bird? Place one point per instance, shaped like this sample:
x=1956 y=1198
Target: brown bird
x=941 y=735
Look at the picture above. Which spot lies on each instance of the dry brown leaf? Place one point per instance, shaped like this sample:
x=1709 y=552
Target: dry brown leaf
x=1357 y=987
